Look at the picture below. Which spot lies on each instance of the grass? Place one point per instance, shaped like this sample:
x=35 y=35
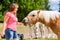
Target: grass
x=25 y=30
x=37 y=39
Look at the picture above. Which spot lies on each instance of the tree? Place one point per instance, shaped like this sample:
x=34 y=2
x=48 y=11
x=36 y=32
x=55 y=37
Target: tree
x=25 y=6
x=46 y=6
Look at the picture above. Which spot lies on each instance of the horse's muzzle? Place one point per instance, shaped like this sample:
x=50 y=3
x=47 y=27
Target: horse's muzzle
x=25 y=21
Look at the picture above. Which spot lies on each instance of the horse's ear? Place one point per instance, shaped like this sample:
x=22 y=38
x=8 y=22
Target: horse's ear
x=38 y=11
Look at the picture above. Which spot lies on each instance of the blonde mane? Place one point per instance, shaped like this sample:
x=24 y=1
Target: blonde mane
x=47 y=15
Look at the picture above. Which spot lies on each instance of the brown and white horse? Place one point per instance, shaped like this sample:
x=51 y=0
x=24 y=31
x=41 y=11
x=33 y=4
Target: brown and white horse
x=49 y=18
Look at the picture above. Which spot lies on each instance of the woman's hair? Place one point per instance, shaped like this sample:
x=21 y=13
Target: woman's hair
x=12 y=7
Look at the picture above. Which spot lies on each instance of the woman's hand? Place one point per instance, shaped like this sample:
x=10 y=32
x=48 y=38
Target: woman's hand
x=2 y=34
x=20 y=23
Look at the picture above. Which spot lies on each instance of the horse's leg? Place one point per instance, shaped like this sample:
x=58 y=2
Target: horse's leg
x=30 y=30
x=43 y=31
x=49 y=32
x=36 y=30
x=58 y=37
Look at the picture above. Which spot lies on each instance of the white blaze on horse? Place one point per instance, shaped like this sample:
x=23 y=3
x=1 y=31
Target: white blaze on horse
x=49 y=18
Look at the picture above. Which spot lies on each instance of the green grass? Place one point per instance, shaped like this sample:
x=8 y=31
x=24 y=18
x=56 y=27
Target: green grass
x=42 y=39
x=37 y=39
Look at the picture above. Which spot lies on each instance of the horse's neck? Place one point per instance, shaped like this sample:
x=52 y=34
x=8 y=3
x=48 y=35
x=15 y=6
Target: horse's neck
x=47 y=15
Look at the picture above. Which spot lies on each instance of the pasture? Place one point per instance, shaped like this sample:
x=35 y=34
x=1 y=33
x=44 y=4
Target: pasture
x=37 y=39
x=25 y=30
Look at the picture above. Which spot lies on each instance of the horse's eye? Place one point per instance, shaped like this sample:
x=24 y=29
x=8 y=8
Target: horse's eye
x=33 y=15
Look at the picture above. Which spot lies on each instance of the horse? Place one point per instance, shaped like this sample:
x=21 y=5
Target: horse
x=48 y=18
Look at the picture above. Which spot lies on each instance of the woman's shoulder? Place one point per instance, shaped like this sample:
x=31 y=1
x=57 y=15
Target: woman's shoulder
x=8 y=14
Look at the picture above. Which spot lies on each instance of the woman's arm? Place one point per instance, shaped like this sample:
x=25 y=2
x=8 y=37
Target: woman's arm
x=20 y=23
x=4 y=24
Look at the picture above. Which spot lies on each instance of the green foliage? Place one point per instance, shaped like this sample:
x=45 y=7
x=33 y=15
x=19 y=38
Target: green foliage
x=1 y=17
x=46 y=4
x=25 y=6
x=0 y=6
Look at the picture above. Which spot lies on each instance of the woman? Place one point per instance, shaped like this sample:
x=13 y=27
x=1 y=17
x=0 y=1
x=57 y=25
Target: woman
x=10 y=21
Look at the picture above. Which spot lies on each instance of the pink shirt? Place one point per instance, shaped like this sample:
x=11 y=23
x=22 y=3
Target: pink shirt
x=12 y=21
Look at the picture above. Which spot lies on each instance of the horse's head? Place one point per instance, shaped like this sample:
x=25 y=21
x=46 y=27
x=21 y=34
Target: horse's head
x=32 y=17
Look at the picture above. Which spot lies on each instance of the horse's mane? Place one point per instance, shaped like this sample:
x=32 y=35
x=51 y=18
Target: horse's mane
x=33 y=12
x=47 y=15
